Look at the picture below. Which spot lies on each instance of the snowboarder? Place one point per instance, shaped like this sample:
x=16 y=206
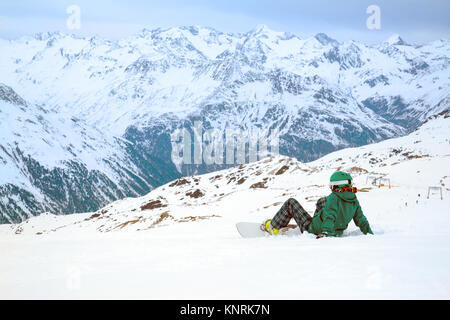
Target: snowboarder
x=332 y=215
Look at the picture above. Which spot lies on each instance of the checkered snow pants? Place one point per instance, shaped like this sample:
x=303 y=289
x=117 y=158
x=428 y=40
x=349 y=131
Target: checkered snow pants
x=292 y=209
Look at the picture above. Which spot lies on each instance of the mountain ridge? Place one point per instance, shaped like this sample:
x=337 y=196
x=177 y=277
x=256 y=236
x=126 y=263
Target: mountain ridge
x=118 y=101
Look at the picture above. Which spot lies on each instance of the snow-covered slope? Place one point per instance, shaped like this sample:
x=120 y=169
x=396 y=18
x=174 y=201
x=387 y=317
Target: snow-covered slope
x=122 y=100
x=412 y=162
x=53 y=163
x=180 y=242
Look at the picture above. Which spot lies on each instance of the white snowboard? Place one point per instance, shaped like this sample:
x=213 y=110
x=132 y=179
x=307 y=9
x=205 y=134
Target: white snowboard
x=253 y=230
x=250 y=229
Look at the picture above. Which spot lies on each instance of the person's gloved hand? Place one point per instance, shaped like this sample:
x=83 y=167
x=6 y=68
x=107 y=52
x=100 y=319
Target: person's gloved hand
x=321 y=235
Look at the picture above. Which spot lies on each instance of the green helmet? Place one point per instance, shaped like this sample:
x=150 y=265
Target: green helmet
x=340 y=179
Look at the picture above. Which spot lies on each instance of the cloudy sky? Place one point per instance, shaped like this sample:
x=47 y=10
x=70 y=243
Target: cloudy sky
x=415 y=20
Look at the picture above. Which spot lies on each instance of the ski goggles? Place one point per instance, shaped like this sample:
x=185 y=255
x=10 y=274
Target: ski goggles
x=347 y=189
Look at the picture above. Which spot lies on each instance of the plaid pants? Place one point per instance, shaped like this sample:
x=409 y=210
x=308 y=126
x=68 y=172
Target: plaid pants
x=292 y=209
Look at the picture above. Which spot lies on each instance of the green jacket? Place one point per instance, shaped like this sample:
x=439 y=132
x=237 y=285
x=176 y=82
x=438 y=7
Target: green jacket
x=334 y=218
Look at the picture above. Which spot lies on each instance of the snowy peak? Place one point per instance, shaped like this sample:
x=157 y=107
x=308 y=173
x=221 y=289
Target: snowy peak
x=395 y=39
x=325 y=39
x=261 y=29
x=267 y=35
x=44 y=36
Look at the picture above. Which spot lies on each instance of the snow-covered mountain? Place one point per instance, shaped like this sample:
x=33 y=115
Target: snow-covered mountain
x=58 y=164
x=85 y=121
